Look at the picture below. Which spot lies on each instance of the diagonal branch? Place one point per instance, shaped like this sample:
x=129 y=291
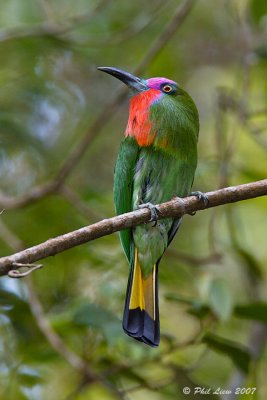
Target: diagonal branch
x=174 y=208
x=179 y=15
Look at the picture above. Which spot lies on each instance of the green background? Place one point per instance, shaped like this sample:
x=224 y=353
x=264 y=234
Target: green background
x=60 y=122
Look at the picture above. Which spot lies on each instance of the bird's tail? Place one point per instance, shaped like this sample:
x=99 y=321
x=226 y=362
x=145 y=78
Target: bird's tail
x=141 y=313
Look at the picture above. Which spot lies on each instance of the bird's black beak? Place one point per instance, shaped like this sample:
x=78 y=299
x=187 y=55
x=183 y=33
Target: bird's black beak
x=133 y=82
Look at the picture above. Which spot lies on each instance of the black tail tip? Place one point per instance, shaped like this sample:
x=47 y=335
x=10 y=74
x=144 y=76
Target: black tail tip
x=139 y=325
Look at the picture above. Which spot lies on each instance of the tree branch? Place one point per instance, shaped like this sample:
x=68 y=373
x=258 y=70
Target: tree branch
x=174 y=208
x=179 y=15
x=38 y=192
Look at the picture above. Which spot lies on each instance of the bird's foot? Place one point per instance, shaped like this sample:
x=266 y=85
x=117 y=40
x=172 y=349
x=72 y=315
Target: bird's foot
x=153 y=210
x=200 y=196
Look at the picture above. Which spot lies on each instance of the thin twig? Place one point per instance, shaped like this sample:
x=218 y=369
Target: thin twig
x=180 y=14
x=55 y=340
x=15 y=273
x=12 y=240
x=174 y=208
x=135 y=27
x=50 y=28
x=38 y=192
x=74 y=199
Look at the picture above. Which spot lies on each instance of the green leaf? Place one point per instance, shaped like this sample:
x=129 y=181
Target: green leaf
x=201 y=312
x=185 y=379
x=254 y=311
x=19 y=314
x=197 y=308
x=220 y=299
x=95 y=316
x=29 y=377
x=238 y=353
x=258 y=9
x=179 y=299
x=261 y=52
x=250 y=262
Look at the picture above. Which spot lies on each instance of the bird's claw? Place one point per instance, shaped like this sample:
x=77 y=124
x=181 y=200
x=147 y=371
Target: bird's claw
x=153 y=210
x=201 y=196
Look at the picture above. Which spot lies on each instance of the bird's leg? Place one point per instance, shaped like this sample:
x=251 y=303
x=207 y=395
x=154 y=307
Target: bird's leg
x=200 y=196
x=153 y=210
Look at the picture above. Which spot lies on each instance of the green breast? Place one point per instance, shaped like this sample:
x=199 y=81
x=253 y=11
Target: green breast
x=158 y=178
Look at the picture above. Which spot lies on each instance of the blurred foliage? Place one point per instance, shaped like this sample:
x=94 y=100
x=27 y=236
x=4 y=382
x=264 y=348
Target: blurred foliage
x=213 y=279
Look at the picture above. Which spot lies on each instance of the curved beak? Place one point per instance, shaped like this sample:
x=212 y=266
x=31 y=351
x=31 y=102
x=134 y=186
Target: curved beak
x=133 y=82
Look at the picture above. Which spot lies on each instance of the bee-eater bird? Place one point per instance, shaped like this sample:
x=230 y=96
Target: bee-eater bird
x=156 y=161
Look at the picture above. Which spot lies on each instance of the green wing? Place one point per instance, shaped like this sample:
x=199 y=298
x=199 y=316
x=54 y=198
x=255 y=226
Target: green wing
x=123 y=186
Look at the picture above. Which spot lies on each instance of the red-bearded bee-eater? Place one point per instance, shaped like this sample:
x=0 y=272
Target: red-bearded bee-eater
x=156 y=161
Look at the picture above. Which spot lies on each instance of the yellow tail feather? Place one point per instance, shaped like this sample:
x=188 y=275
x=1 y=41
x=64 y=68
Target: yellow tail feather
x=143 y=291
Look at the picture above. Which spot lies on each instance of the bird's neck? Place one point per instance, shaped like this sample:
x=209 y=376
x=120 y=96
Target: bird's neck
x=167 y=126
x=139 y=125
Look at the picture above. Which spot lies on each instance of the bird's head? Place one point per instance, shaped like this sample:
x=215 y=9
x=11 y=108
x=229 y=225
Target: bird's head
x=137 y=85
x=156 y=103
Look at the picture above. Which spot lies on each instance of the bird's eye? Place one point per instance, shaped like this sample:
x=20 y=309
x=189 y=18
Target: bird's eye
x=167 y=88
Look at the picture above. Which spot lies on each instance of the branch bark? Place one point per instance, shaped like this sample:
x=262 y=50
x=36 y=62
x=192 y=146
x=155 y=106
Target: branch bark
x=174 y=208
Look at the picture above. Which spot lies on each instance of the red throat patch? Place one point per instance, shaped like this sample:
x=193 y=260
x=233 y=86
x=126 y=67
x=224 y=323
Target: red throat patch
x=139 y=125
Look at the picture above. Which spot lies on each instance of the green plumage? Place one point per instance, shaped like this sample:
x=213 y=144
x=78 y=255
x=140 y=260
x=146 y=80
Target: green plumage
x=123 y=186
x=156 y=162
x=157 y=173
